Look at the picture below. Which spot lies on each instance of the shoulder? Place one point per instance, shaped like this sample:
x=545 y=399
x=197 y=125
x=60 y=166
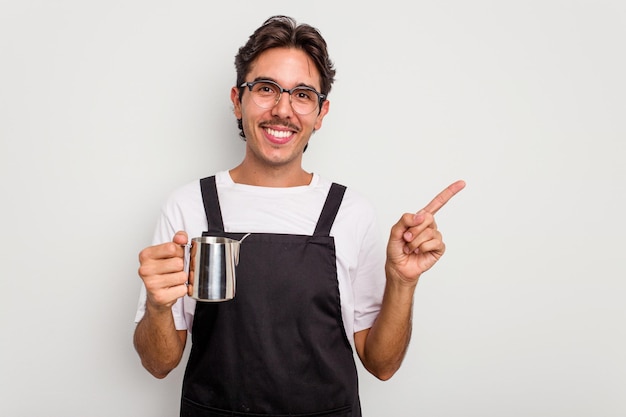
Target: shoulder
x=183 y=209
x=354 y=202
x=355 y=209
x=186 y=194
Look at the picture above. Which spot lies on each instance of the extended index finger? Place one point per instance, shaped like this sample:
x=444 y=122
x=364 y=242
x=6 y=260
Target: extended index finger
x=443 y=197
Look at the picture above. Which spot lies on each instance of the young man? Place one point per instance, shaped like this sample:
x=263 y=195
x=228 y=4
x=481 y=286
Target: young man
x=313 y=283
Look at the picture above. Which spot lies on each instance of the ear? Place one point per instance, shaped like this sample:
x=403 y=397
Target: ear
x=234 y=97
x=322 y=113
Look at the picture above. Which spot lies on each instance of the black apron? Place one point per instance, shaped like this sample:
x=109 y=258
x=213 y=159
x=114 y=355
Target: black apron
x=279 y=348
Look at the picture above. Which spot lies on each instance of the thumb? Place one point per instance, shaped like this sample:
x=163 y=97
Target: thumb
x=180 y=238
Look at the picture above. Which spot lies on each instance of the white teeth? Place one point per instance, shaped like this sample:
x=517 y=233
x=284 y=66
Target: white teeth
x=279 y=133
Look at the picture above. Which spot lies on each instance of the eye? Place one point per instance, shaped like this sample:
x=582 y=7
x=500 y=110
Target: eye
x=265 y=89
x=304 y=94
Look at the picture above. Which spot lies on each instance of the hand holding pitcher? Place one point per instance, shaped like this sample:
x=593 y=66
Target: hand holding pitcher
x=162 y=271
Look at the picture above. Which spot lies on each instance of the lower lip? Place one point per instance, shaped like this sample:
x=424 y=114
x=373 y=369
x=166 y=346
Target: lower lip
x=276 y=140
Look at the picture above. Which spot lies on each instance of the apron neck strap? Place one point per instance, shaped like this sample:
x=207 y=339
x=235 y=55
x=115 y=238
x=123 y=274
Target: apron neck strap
x=211 y=204
x=329 y=212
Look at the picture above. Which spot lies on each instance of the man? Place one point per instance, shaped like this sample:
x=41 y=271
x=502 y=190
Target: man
x=311 y=284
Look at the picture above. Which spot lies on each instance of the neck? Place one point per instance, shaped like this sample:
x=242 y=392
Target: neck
x=270 y=176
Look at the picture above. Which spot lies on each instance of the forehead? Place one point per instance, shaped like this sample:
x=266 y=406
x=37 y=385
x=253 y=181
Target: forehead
x=287 y=66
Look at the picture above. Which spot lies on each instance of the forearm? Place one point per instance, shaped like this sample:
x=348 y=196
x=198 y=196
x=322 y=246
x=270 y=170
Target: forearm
x=387 y=341
x=159 y=345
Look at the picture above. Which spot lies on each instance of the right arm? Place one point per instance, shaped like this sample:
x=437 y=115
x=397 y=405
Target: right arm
x=159 y=345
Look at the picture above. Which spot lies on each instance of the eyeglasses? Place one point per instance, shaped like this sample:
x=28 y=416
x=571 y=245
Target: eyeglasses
x=266 y=94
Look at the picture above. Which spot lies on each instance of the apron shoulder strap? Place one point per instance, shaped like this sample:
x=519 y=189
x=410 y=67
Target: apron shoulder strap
x=329 y=212
x=211 y=204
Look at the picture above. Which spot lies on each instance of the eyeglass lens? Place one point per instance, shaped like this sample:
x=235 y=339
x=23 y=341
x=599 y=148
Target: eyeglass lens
x=266 y=95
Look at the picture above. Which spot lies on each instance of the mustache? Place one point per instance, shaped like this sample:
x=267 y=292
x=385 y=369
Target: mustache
x=280 y=122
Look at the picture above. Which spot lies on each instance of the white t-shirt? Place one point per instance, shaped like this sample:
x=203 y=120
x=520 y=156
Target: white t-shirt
x=293 y=210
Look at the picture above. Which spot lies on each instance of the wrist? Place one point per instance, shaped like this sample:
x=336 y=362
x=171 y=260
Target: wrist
x=155 y=310
x=396 y=279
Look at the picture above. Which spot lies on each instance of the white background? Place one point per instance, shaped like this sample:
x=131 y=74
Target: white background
x=107 y=106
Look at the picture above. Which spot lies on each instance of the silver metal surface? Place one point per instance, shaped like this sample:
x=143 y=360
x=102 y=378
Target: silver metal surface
x=212 y=268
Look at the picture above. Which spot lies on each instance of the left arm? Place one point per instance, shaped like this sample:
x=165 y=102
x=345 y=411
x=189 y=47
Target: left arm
x=415 y=245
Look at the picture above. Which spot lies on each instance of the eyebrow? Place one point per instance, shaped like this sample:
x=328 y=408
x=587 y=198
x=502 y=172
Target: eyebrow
x=273 y=80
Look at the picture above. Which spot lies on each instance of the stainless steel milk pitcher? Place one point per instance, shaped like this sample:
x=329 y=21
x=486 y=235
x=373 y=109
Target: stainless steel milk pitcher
x=212 y=265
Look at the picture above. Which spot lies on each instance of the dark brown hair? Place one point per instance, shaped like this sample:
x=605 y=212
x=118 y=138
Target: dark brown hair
x=285 y=32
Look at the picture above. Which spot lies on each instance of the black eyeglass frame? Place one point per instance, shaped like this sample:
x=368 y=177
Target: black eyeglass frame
x=320 y=97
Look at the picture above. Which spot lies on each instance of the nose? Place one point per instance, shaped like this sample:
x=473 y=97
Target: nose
x=283 y=107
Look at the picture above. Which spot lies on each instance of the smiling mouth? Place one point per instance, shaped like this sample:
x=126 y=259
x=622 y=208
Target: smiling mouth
x=279 y=134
